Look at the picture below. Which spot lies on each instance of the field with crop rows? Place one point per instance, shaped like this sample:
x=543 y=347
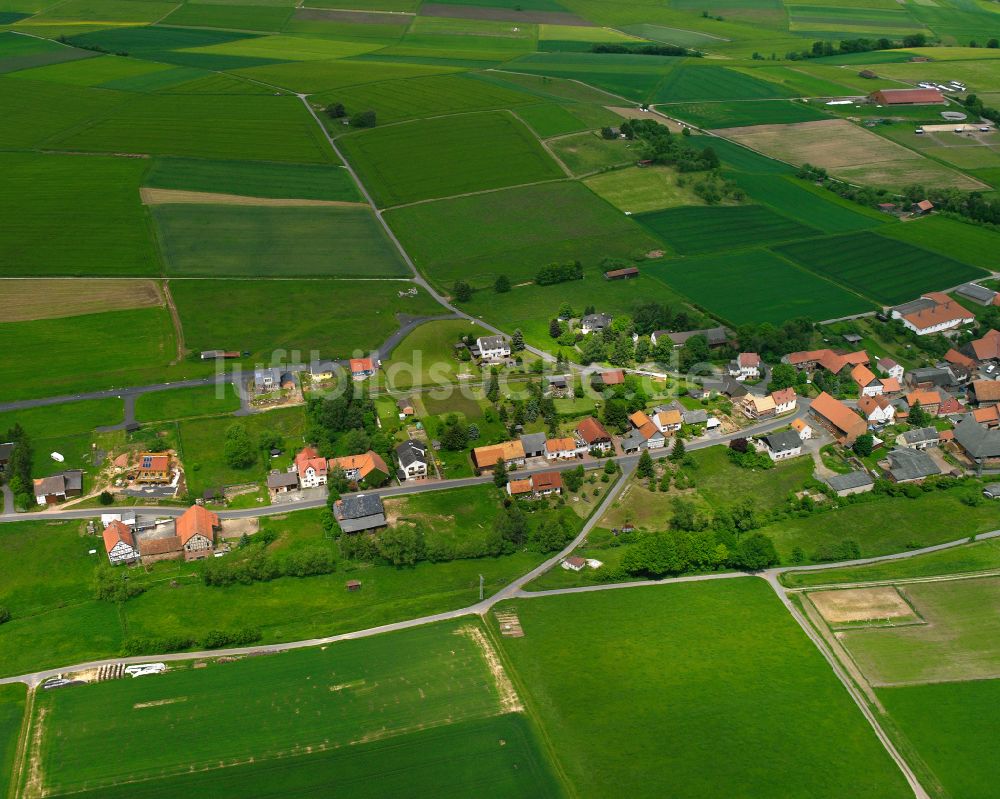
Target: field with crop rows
x=727 y=115
x=884 y=269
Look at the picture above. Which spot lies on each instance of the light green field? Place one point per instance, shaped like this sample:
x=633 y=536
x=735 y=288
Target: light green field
x=427 y=355
x=235 y=17
x=94 y=73
x=447 y=156
x=699 y=725
x=515 y=232
x=42 y=218
x=643 y=189
x=12 y=702
x=329 y=76
x=181 y=403
x=958 y=642
x=585 y=153
x=252 y=241
x=305 y=702
x=53 y=421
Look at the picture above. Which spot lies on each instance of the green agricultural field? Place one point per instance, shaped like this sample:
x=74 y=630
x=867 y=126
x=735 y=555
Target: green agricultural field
x=691 y=231
x=406 y=764
x=736 y=114
x=12 y=702
x=334 y=318
x=250 y=127
x=427 y=355
x=947 y=725
x=957 y=641
x=902 y=524
x=974 y=244
x=978 y=556
x=805 y=202
x=515 y=232
x=253 y=241
x=253 y=179
x=398 y=100
x=235 y=17
x=329 y=77
x=885 y=269
x=183 y=403
x=95 y=72
x=53 y=421
x=698 y=727
x=586 y=153
x=24 y=52
x=632 y=76
x=637 y=190
x=757 y=286
x=692 y=83
x=313 y=700
x=45 y=229
x=447 y=156
x=551 y=119
x=87 y=352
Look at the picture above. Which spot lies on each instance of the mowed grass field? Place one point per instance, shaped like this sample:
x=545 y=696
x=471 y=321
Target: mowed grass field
x=953 y=729
x=182 y=403
x=293 y=704
x=757 y=286
x=885 y=269
x=958 y=642
x=515 y=232
x=691 y=231
x=427 y=354
x=333 y=318
x=447 y=156
x=266 y=241
x=47 y=203
x=684 y=677
x=12 y=701
x=253 y=179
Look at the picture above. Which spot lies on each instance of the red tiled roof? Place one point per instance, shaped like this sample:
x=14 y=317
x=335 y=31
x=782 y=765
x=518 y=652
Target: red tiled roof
x=748 y=359
x=157 y=462
x=362 y=365
x=987 y=415
x=908 y=96
x=115 y=532
x=941 y=313
x=516 y=487
x=194 y=521
x=560 y=444
x=862 y=375
x=308 y=456
x=950 y=405
x=986 y=390
x=638 y=418
x=592 y=431
x=546 y=481
x=988 y=347
x=925 y=398
x=365 y=464
x=868 y=405
x=613 y=377
x=489 y=455
x=784 y=396
x=839 y=415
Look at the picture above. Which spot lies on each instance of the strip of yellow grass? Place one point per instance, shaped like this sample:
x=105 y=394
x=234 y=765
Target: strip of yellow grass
x=178 y=196
x=29 y=299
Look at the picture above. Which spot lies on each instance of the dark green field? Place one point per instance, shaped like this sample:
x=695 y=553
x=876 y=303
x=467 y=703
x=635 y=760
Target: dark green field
x=757 y=286
x=731 y=115
x=258 y=241
x=447 y=156
x=692 y=230
x=690 y=83
x=685 y=674
x=253 y=179
x=884 y=269
x=12 y=699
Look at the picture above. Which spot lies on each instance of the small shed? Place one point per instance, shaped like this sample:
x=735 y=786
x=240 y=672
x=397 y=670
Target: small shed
x=353 y=585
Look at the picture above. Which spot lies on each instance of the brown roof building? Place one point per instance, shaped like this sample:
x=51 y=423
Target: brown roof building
x=907 y=97
x=844 y=422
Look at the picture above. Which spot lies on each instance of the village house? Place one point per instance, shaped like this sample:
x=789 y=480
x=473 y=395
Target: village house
x=196 y=529
x=557 y=385
x=405 y=408
x=534 y=444
x=359 y=513
x=889 y=368
x=591 y=435
x=492 y=348
x=802 y=427
x=878 y=411
x=930 y=401
x=856 y=482
x=951 y=406
x=921 y=207
x=980 y=444
x=266 y=379
x=59 y=487
x=321 y=370
x=715 y=336
x=934 y=312
x=785 y=400
x=310 y=468
x=984 y=393
x=835 y=363
x=412 y=457
x=987 y=348
x=561 y=449
x=782 y=446
x=651 y=437
x=611 y=377
x=961 y=365
x=746 y=366
x=978 y=294
x=538 y=485
x=757 y=407
x=909 y=465
x=844 y=423
x=510 y=452
x=868 y=384
x=669 y=420
x=153 y=468
x=365 y=468
x=119 y=543
x=988 y=416
x=279 y=482
x=921 y=438
x=595 y=323
x=362 y=368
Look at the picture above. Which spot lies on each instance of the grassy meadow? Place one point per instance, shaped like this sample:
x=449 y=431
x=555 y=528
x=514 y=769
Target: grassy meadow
x=12 y=702
x=180 y=403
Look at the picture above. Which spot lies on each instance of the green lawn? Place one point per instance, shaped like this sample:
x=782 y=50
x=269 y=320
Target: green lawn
x=447 y=156
x=974 y=557
x=253 y=179
x=636 y=190
x=427 y=355
x=585 y=153
x=947 y=724
x=62 y=215
x=331 y=318
x=181 y=403
x=697 y=709
x=314 y=700
x=12 y=701
x=252 y=241
x=515 y=232
x=53 y=421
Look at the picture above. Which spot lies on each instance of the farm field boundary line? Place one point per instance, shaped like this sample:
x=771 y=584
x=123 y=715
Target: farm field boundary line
x=934 y=578
x=180 y=196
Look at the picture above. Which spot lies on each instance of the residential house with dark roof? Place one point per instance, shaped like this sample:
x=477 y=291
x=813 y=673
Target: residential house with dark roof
x=356 y=513
x=595 y=323
x=557 y=385
x=412 y=457
x=715 y=336
x=279 y=482
x=534 y=445
x=979 y=443
x=266 y=379
x=910 y=465
x=492 y=348
x=59 y=487
x=782 y=446
x=921 y=438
